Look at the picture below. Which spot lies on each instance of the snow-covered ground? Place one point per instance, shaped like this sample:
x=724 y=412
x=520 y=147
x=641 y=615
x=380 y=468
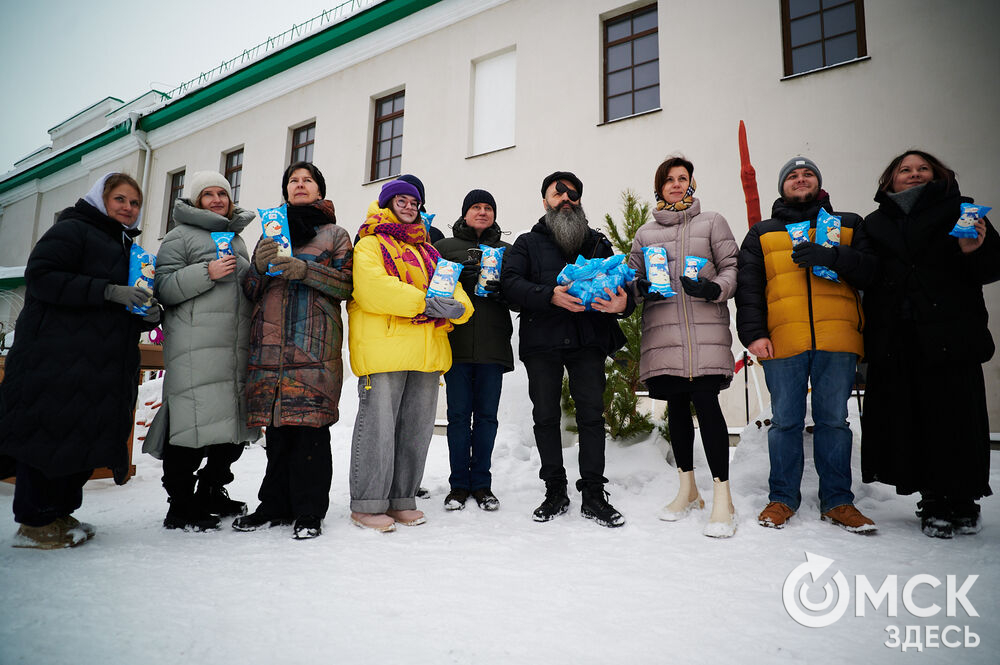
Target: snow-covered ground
x=476 y=587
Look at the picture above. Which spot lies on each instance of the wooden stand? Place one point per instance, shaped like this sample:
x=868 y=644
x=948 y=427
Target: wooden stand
x=150 y=358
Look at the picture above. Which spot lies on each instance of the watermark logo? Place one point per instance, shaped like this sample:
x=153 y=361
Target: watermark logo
x=806 y=580
x=817 y=595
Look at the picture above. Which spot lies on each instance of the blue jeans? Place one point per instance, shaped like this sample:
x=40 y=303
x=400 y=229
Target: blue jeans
x=832 y=376
x=473 y=392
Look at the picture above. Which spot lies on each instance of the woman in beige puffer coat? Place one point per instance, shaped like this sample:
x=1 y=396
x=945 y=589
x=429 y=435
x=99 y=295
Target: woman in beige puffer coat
x=686 y=340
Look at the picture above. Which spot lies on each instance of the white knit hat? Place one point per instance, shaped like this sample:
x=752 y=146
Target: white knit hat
x=202 y=180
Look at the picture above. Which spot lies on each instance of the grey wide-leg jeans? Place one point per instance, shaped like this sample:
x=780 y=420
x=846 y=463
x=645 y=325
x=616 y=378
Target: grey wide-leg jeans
x=392 y=432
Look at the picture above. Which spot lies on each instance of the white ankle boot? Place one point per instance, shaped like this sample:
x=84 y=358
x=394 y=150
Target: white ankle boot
x=722 y=522
x=687 y=499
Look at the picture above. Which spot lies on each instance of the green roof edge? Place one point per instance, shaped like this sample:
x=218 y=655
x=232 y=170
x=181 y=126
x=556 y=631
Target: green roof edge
x=354 y=27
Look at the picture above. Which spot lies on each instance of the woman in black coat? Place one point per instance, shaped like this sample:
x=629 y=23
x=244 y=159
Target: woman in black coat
x=67 y=398
x=924 y=426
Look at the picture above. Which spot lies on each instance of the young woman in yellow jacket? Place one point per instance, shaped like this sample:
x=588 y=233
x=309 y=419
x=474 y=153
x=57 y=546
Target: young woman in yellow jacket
x=398 y=339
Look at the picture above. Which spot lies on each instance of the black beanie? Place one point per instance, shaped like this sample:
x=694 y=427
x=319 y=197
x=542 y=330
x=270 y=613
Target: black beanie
x=562 y=175
x=478 y=196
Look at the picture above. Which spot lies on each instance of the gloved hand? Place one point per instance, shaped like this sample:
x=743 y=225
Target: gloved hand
x=443 y=308
x=130 y=296
x=264 y=253
x=470 y=270
x=809 y=254
x=492 y=288
x=703 y=288
x=153 y=315
x=290 y=267
x=647 y=295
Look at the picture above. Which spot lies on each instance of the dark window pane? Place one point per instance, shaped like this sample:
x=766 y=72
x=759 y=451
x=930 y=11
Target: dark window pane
x=383 y=170
x=397 y=103
x=806 y=58
x=619 y=82
x=841 y=49
x=397 y=127
x=833 y=3
x=797 y=8
x=647 y=75
x=806 y=30
x=619 y=29
x=385 y=108
x=839 y=20
x=619 y=57
x=643 y=22
x=645 y=48
x=620 y=106
x=385 y=131
x=648 y=99
x=311 y=133
x=383 y=149
x=395 y=165
x=397 y=146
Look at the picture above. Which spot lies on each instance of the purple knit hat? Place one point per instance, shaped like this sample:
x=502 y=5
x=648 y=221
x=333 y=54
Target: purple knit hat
x=395 y=188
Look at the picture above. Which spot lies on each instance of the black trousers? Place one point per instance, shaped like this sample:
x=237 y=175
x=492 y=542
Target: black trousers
x=39 y=500
x=180 y=464
x=586 y=386
x=299 y=472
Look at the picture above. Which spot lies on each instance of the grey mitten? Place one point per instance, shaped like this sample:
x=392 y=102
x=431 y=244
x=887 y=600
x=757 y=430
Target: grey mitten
x=443 y=308
x=264 y=253
x=130 y=296
x=153 y=315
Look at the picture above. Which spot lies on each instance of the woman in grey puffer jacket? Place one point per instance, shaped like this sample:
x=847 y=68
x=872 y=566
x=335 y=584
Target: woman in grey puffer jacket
x=206 y=329
x=686 y=340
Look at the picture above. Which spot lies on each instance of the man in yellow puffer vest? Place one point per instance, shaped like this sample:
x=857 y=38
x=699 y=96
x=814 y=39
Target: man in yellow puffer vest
x=805 y=329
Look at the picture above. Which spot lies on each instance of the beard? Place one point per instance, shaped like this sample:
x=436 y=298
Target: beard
x=569 y=227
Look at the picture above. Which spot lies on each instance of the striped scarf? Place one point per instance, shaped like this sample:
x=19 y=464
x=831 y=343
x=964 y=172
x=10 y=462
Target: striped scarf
x=404 y=245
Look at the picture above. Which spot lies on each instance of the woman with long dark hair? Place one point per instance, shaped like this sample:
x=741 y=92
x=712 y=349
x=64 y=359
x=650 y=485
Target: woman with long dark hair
x=924 y=426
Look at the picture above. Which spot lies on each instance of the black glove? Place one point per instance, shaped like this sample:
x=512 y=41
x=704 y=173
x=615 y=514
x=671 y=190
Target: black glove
x=492 y=288
x=130 y=296
x=470 y=270
x=703 y=288
x=809 y=254
x=153 y=315
x=647 y=295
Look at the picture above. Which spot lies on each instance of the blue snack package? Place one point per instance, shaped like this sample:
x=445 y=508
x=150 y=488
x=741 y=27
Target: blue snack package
x=658 y=271
x=141 y=270
x=588 y=278
x=489 y=267
x=428 y=220
x=275 y=224
x=692 y=265
x=444 y=280
x=799 y=233
x=223 y=243
x=827 y=235
x=965 y=226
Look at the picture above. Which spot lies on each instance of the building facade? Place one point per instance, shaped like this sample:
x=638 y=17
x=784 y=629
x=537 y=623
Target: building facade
x=495 y=94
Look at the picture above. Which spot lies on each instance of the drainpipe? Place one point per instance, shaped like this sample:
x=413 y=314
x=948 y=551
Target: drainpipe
x=140 y=137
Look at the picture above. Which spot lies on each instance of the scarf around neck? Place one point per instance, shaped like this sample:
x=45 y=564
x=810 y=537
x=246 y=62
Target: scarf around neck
x=404 y=245
x=303 y=220
x=682 y=204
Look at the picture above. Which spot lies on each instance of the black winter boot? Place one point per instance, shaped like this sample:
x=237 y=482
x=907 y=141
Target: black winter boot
x=935 y=516
x=556 y=501
x=215 y=499
x=186 y=513
x=595 y=507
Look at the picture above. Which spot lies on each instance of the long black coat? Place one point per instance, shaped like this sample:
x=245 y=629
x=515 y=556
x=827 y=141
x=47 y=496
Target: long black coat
x=67 y=399
x=925 y=426
x=527 y=280
x=485 y=338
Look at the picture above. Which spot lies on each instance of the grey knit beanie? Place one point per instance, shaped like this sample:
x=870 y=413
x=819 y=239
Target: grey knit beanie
x=797 y=163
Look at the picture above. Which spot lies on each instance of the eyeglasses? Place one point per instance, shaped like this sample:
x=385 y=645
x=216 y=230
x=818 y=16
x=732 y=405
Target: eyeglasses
x=572 y=194
x=407 y=203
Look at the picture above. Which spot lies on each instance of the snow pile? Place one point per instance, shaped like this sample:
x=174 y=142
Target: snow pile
x=477 y=587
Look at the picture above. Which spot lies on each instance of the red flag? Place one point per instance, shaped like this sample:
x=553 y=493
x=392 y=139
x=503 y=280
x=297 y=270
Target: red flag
x=749 y=178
